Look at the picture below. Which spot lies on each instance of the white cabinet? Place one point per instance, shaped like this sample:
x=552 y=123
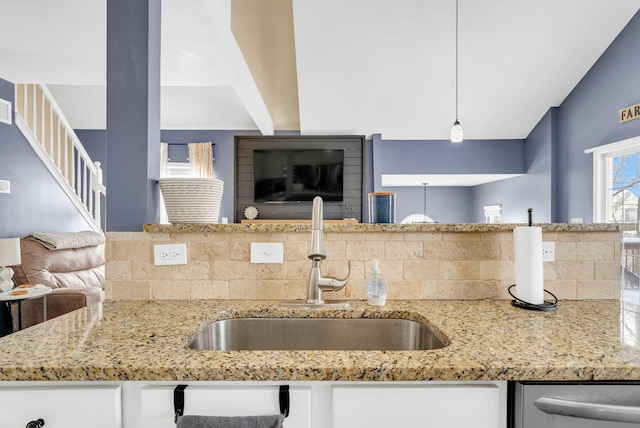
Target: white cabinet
x=157 y=410
x=61 y=406
x=312 y=404
x=441 y=405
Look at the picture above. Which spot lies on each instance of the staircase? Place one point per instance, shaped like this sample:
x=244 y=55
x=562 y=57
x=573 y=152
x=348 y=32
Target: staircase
x=43 y=124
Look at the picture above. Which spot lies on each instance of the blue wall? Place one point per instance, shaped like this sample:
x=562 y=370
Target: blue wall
x=36 y=203
x=588 y=118
x=444 y=204
x=558 y=184
x=535 y=190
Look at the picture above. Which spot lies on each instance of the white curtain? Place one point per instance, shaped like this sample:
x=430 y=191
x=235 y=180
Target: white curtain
x=164 y=159
x=164 y=166
x=201 y=160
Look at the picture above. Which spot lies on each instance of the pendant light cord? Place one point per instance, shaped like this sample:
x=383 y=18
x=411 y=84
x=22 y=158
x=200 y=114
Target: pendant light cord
x=456 y=60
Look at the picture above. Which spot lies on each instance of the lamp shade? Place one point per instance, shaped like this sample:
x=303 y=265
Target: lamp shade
x=10 y=252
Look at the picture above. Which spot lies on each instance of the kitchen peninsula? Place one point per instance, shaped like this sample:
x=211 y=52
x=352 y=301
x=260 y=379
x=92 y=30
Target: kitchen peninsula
x=452 y=278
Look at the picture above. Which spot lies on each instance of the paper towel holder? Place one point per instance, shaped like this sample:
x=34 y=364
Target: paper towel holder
x=546 y=306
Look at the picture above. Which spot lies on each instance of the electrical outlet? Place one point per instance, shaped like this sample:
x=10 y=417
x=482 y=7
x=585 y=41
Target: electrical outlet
x=267 y=252
x=548 y=251
x=170 y=254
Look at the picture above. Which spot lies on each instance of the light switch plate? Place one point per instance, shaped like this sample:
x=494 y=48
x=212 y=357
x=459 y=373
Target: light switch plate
x=5 y=186
x=170 y=254
x=267 y=252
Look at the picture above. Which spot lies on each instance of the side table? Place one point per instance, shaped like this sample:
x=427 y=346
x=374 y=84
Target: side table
x=40 y=291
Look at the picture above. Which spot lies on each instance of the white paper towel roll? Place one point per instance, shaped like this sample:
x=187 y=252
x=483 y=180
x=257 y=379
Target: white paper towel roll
x=527 y=256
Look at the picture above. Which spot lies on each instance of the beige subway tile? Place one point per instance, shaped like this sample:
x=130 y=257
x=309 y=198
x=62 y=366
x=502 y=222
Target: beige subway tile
x=550 y=236
x=141 y=270
x=615 y=237
x=183 y=237
x=130 y=290
x=193 y=270
x=240 y=250
x=364 y=250
x=496 y=269
x=608 y=270
x=170 y=289
x=549 y=271
x=506 y=236
x=423 y=236
x=594 y=251
x=208 y=250
x=462 y=236
x=506 y=250
x=297 y=250
x=575 y=269
x=466 y=290
x=562 y=289
x=597 y=289
x=336 y=250
x=404 y=290
x=565 y=250
x=253 y=289
x=421 y=270
x=403 y=250
x=335 y=268
x=147 y=236
x=356 y=289
x=576 y=236
x=340 y=236
x=384 y=236
x=391 y=270
x=131 y=250
x=118 y=269
x=460 y=270
x=209 y=289
x=232 y=269
x=460 y=251
x=298 y=270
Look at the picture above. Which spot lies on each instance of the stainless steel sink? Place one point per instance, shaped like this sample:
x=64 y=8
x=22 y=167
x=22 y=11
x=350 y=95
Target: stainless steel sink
x=316 y=334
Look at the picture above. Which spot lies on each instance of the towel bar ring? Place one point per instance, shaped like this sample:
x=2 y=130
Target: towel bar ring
x=178 y=401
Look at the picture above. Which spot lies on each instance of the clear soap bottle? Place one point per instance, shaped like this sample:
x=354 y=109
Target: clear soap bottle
x=376 y=287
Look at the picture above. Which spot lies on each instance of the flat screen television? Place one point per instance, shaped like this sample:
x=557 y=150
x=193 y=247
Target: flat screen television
x=298 y=175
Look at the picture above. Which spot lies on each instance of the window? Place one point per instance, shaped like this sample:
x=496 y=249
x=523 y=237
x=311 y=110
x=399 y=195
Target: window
x=616 y=193
x=616 y=185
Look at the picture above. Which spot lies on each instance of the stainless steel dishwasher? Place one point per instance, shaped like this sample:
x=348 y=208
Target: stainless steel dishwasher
x=573 y=405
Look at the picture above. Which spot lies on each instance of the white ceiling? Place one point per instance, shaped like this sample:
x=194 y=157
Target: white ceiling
x=363 y=66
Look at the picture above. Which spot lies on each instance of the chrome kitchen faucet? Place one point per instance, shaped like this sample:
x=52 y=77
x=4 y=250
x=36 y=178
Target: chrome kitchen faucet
x=317 y=253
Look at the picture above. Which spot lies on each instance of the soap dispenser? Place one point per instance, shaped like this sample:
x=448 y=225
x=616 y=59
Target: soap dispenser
x=376 y=287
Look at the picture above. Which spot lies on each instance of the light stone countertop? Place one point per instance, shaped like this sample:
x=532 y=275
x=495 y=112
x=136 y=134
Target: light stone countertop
x=487 y=340
x=378 y=227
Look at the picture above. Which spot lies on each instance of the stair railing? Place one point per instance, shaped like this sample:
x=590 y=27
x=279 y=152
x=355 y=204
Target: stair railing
x=44 y=125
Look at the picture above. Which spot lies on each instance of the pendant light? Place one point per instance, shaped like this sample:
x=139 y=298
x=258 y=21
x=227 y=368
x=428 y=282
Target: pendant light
x=456 y=131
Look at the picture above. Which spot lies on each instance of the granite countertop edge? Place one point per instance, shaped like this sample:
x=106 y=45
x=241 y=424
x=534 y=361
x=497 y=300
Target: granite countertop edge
x=487 y=340
x=378 y=227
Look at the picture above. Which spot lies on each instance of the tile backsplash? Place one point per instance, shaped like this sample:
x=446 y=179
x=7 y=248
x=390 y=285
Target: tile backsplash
x=418 y=265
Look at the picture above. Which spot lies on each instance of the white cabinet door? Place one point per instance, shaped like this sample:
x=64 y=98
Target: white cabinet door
x=61 y=406
x=157 y=409
x=438 y=406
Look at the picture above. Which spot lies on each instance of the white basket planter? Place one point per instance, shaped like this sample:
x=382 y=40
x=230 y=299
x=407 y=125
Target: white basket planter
x=192 y=200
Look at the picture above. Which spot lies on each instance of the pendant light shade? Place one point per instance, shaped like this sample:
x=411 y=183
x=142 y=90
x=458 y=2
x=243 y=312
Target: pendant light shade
x=457 y=134
x=456 y=130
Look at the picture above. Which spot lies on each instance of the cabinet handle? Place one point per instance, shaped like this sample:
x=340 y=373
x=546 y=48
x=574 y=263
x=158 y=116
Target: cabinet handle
x=39 y=423
x=598 y=411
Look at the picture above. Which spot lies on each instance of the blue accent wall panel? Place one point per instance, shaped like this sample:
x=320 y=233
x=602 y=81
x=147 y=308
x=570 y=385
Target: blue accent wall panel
x=588 y=118
x=36 y=202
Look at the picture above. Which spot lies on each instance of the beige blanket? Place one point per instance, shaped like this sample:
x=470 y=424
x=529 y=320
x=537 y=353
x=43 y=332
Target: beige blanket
x=64 y=240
